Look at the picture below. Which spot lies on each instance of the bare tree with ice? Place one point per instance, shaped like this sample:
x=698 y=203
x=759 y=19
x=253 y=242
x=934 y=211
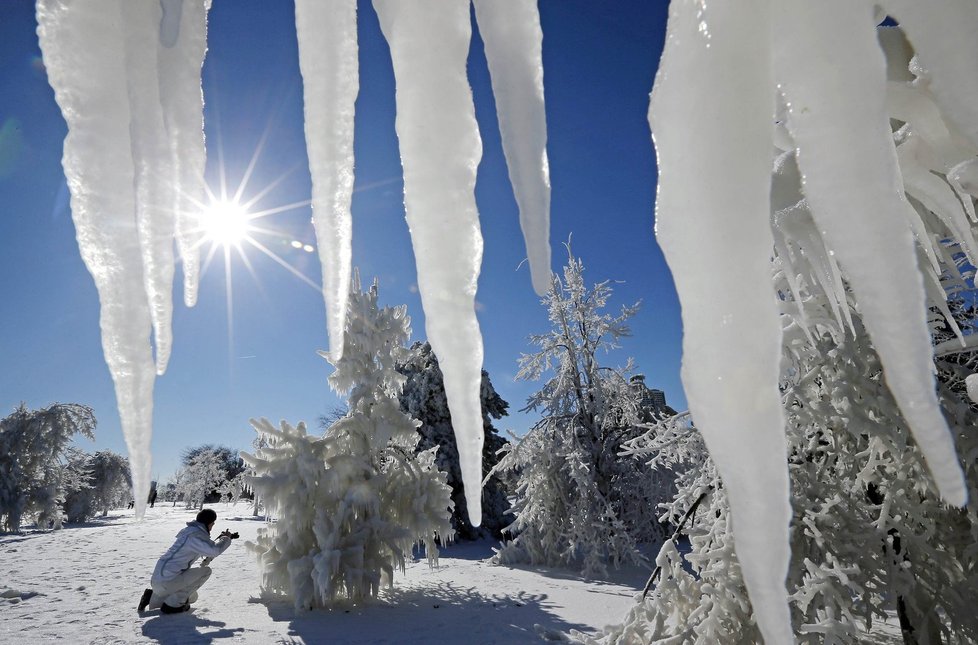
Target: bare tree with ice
x=577 y=503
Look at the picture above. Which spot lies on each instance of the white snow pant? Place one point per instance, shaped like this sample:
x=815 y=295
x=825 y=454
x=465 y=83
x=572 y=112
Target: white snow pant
x=181 y=590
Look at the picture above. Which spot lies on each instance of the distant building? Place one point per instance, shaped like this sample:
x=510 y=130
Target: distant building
x=651 y=401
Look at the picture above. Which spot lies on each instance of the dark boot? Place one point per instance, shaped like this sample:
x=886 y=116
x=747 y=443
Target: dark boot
x=145 y=600
x=167 y=609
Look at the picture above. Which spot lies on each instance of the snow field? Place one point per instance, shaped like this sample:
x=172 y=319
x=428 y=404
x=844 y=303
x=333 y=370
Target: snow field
x=81 y=585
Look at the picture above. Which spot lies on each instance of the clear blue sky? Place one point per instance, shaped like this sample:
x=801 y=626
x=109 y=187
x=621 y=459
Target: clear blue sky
x=599 y=64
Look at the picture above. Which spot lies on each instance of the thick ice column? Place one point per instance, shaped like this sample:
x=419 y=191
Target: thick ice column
x=440 y=151
x=514 y=44
x=183 y=44
x=712 y=118
x=153 y=167
x=327 y=32
x=83 y=45
x=838 y=118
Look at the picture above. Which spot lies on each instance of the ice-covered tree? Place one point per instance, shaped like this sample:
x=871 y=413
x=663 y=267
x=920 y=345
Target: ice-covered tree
x=228 y=458
x=870 y=534
x=204 y=472
x=423 y=398
x=33 y=454
x=577 y=503
x=104 y=482
x=350 y=505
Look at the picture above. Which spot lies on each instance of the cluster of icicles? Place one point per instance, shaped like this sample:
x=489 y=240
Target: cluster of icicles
x=134 y=160
x=848 y=198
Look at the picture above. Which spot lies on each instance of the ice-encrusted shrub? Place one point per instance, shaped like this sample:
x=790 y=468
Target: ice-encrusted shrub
x=349 y=506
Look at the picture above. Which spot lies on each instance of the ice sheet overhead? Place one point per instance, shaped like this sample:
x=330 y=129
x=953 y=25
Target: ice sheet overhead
x=327 y=34
x=440 y=151
x=119 y=160
x=718 y=132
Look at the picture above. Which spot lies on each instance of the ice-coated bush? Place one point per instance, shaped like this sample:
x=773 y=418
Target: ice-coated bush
x=350 y=506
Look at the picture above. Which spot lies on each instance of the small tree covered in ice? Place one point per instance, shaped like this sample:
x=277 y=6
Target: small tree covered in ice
x=228 y=458
x=33 y=454
x=574 y=492
x=203 y=473
x=350 y=505
x=104 y=483
x=423 y=398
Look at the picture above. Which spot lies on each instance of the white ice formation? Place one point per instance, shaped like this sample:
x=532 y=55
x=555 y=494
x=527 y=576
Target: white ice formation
x=860 y=202
x=129 y=109
x=132 y=193
x=514 y=42
x=971 y=382
x=440 y=151
x=713 y=203
x=722 y=77
x=327 y=35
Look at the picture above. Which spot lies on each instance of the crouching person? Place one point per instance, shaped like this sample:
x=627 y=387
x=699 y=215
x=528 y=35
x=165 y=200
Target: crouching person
x=175 y=580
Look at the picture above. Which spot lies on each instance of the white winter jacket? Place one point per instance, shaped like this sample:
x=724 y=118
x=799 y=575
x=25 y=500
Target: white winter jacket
x=192 y=542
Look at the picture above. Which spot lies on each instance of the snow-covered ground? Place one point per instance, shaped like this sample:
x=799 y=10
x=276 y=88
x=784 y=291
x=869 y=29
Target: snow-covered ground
x=82 y=584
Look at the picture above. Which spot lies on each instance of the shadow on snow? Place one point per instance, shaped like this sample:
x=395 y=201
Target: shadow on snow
x=187 y=628
x=439 y=613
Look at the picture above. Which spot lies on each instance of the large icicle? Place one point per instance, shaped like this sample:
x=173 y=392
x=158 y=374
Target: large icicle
x=838 y=118
x=713 y=205
x=327 y=32
x=83 y=48
x=181 y=56
x=514 y=45
x=153 y=167
x=440 y=151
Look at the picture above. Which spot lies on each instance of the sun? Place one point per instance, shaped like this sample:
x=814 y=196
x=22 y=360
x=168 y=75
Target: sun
x=225 y=222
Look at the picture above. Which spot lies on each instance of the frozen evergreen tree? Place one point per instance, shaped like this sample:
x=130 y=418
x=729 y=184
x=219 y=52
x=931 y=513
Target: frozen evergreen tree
x=34 y=454
x=349 y=506
x=101 y=481
x=423 y=398
x=577 y=503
